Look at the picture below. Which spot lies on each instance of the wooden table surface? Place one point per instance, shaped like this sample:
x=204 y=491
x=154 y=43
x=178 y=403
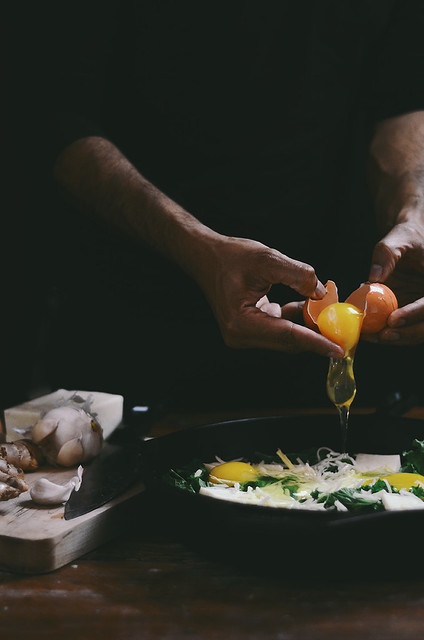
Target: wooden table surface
x=148 y=583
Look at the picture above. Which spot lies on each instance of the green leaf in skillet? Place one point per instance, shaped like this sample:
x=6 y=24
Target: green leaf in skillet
x=306 y=455
x=379 y=485
x=413 y=459
x=266 y=481
x=350 y=499
x=417 y=491
x=190 y=477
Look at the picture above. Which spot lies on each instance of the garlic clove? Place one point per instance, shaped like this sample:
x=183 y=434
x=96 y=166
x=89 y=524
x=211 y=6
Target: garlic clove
x=45 y=492
x=43 y=428
x=70 y=453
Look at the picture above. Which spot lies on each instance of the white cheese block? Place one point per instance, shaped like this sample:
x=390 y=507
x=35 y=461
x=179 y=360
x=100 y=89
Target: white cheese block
x=106 y=407
x=401 y=502
x=374 y=462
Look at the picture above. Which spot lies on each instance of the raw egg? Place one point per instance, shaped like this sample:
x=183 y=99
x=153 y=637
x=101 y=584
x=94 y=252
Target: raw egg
x=341 y=322
x=402 y=480
x=231 y=472
x=373 y=299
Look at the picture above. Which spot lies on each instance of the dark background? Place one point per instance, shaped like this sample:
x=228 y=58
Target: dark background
x=74 y=312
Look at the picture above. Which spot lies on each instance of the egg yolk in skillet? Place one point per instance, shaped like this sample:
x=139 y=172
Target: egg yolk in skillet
x=402 y=480
x=231 y=472
x=341 y=322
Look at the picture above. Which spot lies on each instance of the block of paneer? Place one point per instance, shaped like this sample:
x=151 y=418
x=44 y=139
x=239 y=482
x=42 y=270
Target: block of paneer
x=107 y=408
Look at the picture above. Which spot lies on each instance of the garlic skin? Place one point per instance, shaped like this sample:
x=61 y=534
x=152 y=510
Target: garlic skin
x=23 y=453
x=12 y=481
x=45 y=492
x=68 y=436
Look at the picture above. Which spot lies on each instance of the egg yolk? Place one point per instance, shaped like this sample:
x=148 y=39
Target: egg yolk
x=231 y=472
x=341 y=322
x=403 y=480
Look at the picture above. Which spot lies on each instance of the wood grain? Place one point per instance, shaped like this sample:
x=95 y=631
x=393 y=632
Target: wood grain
x=150 y=584
x=36 y=539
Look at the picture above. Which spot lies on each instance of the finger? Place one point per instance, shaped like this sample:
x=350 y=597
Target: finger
x=388 y=251
x=292 y=311
x=405 y=336
x=410 y=314
x=258 y=330
x=295 y=274
x=405 y=325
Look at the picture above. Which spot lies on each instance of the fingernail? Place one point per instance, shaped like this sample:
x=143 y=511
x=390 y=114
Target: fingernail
x=376 y=272
x=335 y=354
x=320 y=290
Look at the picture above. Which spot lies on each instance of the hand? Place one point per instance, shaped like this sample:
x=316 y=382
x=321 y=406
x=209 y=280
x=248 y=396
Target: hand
x=398 y=260
x=236 y=273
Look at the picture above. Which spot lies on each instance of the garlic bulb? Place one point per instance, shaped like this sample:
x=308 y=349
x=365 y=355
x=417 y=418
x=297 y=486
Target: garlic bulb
x=68 y=436
x=43 y=491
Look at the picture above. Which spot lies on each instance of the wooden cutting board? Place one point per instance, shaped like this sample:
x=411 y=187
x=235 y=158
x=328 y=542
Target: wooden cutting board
x=37 y=539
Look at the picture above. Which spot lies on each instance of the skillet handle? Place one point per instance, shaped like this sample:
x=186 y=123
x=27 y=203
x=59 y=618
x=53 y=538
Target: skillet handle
x=136 y=424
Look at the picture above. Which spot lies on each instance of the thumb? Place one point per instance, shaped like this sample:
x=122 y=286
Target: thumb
x=387 y=252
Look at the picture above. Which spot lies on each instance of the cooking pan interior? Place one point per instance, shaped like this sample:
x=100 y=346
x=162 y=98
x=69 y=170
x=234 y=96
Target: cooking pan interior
x=211 y=523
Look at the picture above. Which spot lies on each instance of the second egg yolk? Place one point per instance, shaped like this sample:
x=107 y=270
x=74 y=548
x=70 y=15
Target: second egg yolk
x=403 y=480
x=231 y=472
x=341 y=322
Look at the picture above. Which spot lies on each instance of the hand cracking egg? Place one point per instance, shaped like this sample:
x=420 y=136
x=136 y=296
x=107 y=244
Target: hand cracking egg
x=232 y=472
x=374 y=300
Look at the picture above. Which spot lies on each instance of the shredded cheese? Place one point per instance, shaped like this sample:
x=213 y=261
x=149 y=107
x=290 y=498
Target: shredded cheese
x=301 y=485
x=285 y=459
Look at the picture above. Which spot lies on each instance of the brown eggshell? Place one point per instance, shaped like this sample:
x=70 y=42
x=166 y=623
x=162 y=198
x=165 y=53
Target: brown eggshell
x=377 y=302
x=312 y=308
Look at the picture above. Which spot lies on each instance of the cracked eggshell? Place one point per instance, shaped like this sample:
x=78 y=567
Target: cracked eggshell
x=374 y=299
x=312 y=308
x=270 y=308
x=377 y=302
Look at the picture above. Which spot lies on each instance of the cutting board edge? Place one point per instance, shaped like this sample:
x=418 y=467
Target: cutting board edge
x=43 y=555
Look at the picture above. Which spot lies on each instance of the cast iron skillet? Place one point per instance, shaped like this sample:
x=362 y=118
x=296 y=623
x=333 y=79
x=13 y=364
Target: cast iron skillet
x=268 y=535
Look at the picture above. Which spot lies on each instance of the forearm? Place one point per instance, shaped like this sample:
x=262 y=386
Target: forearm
x=233 y=273
x=101 y=180
x=396 y=169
